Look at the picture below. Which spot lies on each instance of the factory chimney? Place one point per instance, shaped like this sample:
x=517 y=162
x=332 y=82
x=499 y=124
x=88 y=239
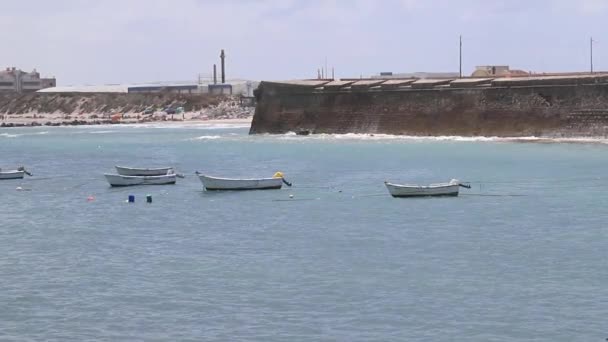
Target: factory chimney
x=214 y=74
x=223 y=57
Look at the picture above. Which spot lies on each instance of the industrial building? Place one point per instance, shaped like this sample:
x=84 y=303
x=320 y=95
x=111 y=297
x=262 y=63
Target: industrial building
x=480 y=71
x=421 y=75
x=232 y=87
x=160 y=88
x=497 y=70
x=16 y=80
x=204 y=85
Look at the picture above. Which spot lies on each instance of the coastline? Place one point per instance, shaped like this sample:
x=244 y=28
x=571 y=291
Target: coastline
x=246 y=122
x=61 y=109
x=91 y=120
x=603 y=140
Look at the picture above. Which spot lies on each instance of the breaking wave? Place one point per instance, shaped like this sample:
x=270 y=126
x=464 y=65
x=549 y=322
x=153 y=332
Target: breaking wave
x=190 y=125
x=390 y=137
x=206 y=137
x=100 y=132
x=8 y=135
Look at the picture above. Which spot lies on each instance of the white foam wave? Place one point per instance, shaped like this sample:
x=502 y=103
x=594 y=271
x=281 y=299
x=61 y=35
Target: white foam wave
x=100 y=132
x=206 y=137
x=209 y=126
x=222 y=126
x=8 y=135
x=361 y=136
x=390 y=137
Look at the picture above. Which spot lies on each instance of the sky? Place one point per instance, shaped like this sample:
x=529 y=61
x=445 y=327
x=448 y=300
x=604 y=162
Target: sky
x=136 y=41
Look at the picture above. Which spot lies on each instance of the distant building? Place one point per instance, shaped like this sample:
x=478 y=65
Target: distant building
x=171 y=88
x=421 y=75
x=220 y=89
x=15 y=80
x=232 y=87
x=496 y=70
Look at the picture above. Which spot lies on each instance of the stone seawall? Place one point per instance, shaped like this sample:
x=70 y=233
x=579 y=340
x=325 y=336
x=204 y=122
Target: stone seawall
x=543 y=107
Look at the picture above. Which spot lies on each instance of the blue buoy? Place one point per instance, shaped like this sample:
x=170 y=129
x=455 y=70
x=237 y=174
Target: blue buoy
x=149 y=198
x=131 y=198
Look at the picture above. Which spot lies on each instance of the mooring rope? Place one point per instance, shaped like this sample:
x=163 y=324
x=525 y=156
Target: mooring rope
x=494 y=195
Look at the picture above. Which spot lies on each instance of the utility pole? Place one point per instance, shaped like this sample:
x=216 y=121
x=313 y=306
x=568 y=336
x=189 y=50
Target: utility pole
x=591 y=54
x=460 y=58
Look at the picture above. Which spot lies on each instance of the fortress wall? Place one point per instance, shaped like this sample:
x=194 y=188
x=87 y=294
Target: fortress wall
x=555 y=110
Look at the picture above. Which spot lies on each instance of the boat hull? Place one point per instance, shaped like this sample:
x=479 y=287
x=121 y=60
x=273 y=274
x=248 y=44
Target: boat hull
x=215 y=183
x=121 y=180
x=447 y=189
x=12 y=174
x=131 y=171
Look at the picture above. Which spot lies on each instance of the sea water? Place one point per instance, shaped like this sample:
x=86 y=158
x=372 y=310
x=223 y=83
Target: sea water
x=521 y=256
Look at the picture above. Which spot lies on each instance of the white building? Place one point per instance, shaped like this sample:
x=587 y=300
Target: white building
x=15 y=80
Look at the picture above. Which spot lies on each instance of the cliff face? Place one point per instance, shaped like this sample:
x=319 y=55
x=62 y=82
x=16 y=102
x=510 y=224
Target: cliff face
x=519 y=108
x=101 y=103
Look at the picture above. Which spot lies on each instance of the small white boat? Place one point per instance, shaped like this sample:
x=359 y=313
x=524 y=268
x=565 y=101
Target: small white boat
x=217 y=183
x=14 y=174
x=122 y=180
x=440 y=189
x=132 y=171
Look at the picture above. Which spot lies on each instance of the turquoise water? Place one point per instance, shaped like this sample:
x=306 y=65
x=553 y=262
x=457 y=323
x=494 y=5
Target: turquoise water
x=519 y=257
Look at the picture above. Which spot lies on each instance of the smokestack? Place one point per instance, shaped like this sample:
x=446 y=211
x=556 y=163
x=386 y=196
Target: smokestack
x=223 y=57
x=214 y=74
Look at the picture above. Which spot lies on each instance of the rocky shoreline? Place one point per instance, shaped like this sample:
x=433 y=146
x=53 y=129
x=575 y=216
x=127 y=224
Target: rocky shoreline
x=33 y=110
x=48 y=123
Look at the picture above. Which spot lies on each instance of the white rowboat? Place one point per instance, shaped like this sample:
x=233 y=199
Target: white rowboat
x=131 y=171
x=440 y=189
x=121 y=180
x=216 y=183
x=12 y=174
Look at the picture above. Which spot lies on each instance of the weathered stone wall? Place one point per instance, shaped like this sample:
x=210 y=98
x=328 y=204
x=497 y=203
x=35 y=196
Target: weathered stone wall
x=570 y=110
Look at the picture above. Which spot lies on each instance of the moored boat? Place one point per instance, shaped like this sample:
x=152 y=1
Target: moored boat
x=217 y=183
x=14 y=174
x=441 y=189
x=122 y=180
x=132 y=171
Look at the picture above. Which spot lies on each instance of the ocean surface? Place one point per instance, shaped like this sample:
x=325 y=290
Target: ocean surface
x=522 y=256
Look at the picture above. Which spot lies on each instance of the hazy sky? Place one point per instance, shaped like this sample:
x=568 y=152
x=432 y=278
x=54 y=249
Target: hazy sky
x=114 y=41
